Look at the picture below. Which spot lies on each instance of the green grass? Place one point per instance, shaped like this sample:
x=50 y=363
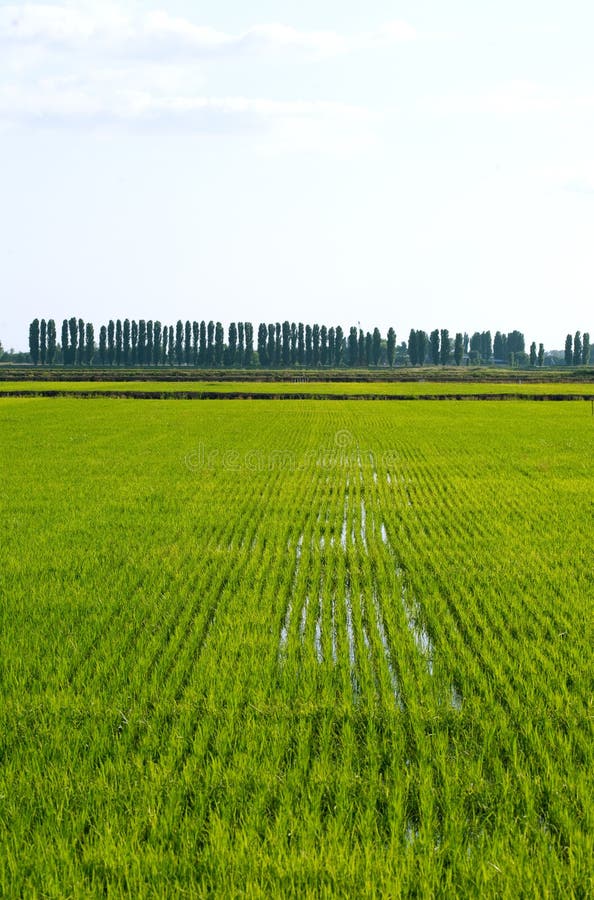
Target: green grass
x=409 y=388
x=296 y=650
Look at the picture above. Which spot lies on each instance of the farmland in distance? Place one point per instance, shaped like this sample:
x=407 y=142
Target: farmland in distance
x=315 y=648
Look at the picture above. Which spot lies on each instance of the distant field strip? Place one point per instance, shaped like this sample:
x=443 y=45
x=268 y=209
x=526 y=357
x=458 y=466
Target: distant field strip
x=213 y=389
x=296 y=649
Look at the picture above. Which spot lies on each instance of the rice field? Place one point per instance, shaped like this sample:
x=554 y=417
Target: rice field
x=303 y=386
x=296 y=649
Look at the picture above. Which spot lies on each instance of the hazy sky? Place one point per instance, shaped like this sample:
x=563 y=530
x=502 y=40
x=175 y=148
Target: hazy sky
x=417 y=164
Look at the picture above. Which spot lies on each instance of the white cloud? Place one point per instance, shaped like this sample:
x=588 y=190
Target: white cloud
x=95 y=69
x=107 y=32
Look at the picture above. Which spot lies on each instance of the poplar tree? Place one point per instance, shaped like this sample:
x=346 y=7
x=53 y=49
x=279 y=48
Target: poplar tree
x=126 y=342
x=262 y=344
x=324 y=345
x=445 y=349
x=157 y=339
x=89 y=344
x=434 y=341
x=293 y=344
x=458 y=348
x=34 y=341
x=249 y=343
x=73 y=329
x=165 y=345
x=586 y=349
x=286 y=344
x=315 y=345
x=195 y=342
x=331 y=346
x=368 y=349
x=179 y=342
x=110 y=342
x=171 y=346
x=413 y=354
x=533 y=356
x=42 y=341
x=568 y=350
x=541 y=355
x=232 y=344
x=270 y=346
x=103 y=345
x=338 y=346
x=577 y=348
x=51 y=342
x=353 y=347
x=150 y=340
x=65 y=347
x=141 y=348
x=301 y=343
x=134 y=342
x=210 y=354
x=422 y=342
x=188 y=343
x=240 y=344
x=80 y=356
x=377 y=346
x=219 y=344
x=202 y=352
x=119 y=343
x=391 y=346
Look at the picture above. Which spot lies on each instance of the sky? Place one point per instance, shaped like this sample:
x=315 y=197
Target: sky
x=415 y=164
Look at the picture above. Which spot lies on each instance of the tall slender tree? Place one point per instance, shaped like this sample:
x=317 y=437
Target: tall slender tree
x=541 y=353
x=119 y=343
x=42 y=341
x=232 y=344
x=434 y=342
x=80 y=356
x=338 y=346
x=324 y=345
x=34 y=341
x=377 y=346
x=577 y=348
x=51 y=342
x=458 y=348
x=533 y=356
x=568 y=350
x=353 y=356
x=157 y=339
x=134 y=342
x=203 y=351
x=391 y=346
x=188 y=343
x=586 y=349
x=413 y=353
x=249 y=343
x=64 y=342
x=141 y=347
x=286 y=344
x=111 y=342
x=219 y=344
x=241 y=344
x=103 y=345
x=445 y=348
x=263 y=344
x=210 y=344
x=89 y=344
x=150 y=342
x=73 y=329
x=126 y=342
x=315 y=345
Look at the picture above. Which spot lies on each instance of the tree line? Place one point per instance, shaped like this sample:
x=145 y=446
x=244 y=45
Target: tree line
x=278 y=345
